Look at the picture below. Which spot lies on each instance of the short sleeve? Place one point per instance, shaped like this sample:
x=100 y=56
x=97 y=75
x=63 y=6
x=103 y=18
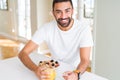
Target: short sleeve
x=39 y=36
x=86 y=37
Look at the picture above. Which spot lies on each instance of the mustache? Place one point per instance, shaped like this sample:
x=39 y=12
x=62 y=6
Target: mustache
x=62 y=19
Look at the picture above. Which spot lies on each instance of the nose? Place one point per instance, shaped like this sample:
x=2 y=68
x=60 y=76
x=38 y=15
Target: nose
x=63 y=15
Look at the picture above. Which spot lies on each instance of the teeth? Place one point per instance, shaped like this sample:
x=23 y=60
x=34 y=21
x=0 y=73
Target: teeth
x=64 y=20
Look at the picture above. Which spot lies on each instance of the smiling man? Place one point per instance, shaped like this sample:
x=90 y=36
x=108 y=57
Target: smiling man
x=63 y=14
x=69 y=40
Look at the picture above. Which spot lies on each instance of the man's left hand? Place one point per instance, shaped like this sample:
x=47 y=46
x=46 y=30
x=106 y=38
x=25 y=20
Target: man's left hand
x=70 y=75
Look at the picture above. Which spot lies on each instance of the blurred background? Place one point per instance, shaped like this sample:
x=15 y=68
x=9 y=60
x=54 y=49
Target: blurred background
x=19 y=19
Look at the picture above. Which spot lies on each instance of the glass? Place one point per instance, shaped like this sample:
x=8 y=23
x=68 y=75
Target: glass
x=49 y=68
x=51 y=72
x=3 y=4
x=88 y=8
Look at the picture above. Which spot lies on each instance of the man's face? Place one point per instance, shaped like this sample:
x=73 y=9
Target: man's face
x=63 y=13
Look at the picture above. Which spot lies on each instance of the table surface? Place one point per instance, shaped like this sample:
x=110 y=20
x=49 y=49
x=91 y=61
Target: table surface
x=13 y=69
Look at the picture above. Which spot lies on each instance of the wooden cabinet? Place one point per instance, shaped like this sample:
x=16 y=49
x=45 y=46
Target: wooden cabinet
x=8 y=48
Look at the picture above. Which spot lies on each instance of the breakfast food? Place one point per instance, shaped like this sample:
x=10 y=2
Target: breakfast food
x=50 y=66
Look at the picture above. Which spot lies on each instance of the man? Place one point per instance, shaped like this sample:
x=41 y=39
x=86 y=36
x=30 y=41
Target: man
x=69 y=40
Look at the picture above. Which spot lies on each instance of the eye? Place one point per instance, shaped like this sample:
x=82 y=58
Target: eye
x=67 y=10
x=58 y=12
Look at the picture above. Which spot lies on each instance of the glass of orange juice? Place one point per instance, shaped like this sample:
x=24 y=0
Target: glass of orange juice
x=50 y=65
x=52 y=73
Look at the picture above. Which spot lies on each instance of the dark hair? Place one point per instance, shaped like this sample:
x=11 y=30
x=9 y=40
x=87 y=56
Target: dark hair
x=58 y=1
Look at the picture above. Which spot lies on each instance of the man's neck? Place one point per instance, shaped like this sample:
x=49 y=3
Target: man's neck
x=68 y=27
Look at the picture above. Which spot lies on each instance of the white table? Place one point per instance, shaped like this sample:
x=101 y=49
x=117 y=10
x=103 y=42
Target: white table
x=13 y=69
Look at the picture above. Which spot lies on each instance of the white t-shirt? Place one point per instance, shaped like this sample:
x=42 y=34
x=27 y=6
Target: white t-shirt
x=64 y=45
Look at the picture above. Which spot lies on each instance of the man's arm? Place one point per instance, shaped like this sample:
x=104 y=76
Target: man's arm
x=84 y=56
x=24 y=55
x=85 y=59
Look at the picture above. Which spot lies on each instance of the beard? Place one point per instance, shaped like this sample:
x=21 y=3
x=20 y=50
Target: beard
x=64 y=22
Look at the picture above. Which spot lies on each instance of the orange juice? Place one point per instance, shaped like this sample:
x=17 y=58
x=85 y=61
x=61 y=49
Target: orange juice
x=51 y=73
x=50 y=66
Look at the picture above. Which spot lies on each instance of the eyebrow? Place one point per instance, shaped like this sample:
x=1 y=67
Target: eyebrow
x=68 y=9
x=65 y=9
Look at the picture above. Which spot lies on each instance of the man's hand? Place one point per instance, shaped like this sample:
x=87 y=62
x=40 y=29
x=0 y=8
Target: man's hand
x=69 y=75
x=42 y=74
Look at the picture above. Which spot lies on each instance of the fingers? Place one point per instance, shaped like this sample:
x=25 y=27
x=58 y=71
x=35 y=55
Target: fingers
x=69 y=75
x=66 y=74
x=42 y=74
x=46 y=69
x=49 y=63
